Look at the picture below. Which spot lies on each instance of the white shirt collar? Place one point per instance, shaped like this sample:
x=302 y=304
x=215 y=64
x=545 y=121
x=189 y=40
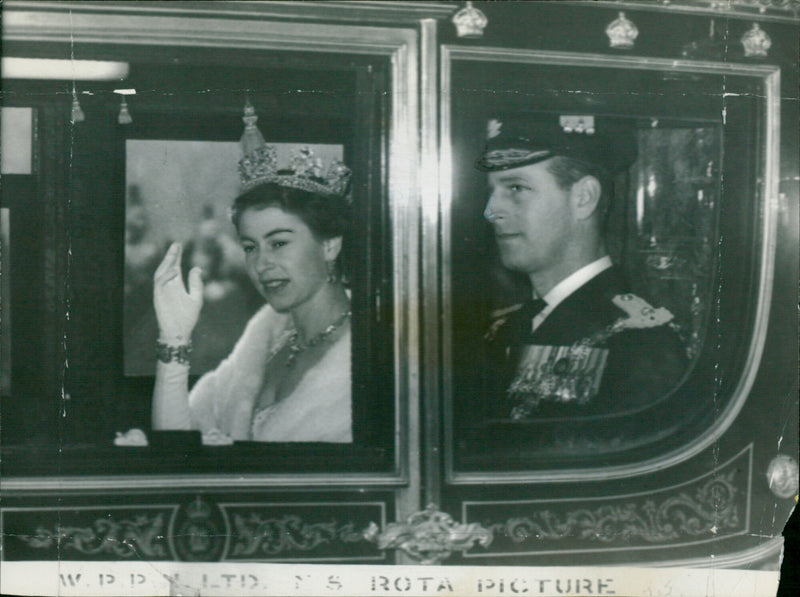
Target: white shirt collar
x=570 y=284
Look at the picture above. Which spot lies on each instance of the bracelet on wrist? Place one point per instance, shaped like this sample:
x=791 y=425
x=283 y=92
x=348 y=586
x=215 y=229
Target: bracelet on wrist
x=180 y=354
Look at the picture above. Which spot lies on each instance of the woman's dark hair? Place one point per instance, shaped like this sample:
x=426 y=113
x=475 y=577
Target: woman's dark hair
x=326 y=217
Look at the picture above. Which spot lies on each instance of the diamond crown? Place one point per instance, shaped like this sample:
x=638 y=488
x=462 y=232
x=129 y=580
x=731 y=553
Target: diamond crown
x=304 y=171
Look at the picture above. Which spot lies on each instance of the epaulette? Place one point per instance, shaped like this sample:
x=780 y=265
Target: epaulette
x=639 y=314
x=498 y=318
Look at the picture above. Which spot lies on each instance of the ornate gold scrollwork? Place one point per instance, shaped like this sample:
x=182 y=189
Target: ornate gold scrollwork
x=140 y=535
x=429 y=536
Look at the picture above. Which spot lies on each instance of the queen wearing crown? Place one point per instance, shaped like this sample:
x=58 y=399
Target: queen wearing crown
x=288 y=377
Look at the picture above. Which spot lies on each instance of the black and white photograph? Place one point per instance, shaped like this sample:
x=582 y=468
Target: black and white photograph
x=399 y=298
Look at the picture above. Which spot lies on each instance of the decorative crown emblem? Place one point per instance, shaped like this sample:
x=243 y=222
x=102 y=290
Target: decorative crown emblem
x=470 y=22
x=198 y=509
x=622 y=32
x=756 y=42
x=429 y=536
x=304 y=171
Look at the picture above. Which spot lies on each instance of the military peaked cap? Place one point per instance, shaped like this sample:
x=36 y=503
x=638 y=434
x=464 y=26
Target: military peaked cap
x=516 y=143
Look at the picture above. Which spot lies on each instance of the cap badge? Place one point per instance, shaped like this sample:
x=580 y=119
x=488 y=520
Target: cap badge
x=577 y=124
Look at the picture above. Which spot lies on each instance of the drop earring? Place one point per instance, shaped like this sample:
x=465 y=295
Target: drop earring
x=331 y=272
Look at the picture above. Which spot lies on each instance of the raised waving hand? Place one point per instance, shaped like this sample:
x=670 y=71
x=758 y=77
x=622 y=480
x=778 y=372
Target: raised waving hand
x=177 y=310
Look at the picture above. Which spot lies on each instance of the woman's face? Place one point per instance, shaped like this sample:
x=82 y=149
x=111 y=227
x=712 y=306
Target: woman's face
x=284 y=260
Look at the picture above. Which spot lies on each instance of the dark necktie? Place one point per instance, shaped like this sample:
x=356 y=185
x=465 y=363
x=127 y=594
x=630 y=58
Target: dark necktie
x=530 y=309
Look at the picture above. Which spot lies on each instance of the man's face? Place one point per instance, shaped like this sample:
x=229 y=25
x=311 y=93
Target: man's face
x=531 y=217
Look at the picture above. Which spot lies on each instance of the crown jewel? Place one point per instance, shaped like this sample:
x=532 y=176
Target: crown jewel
x=304 y=171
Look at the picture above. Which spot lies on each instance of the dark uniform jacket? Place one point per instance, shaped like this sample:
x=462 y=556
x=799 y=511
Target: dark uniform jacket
x=601 y=352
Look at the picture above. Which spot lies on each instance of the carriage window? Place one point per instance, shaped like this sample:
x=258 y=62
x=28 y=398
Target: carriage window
x=170 y=172
x=627 y=365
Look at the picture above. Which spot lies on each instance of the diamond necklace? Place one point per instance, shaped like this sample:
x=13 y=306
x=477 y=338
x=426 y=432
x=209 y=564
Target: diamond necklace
x=296 y=346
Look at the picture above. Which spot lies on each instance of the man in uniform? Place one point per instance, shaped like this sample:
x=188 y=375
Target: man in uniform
x=584 y=350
